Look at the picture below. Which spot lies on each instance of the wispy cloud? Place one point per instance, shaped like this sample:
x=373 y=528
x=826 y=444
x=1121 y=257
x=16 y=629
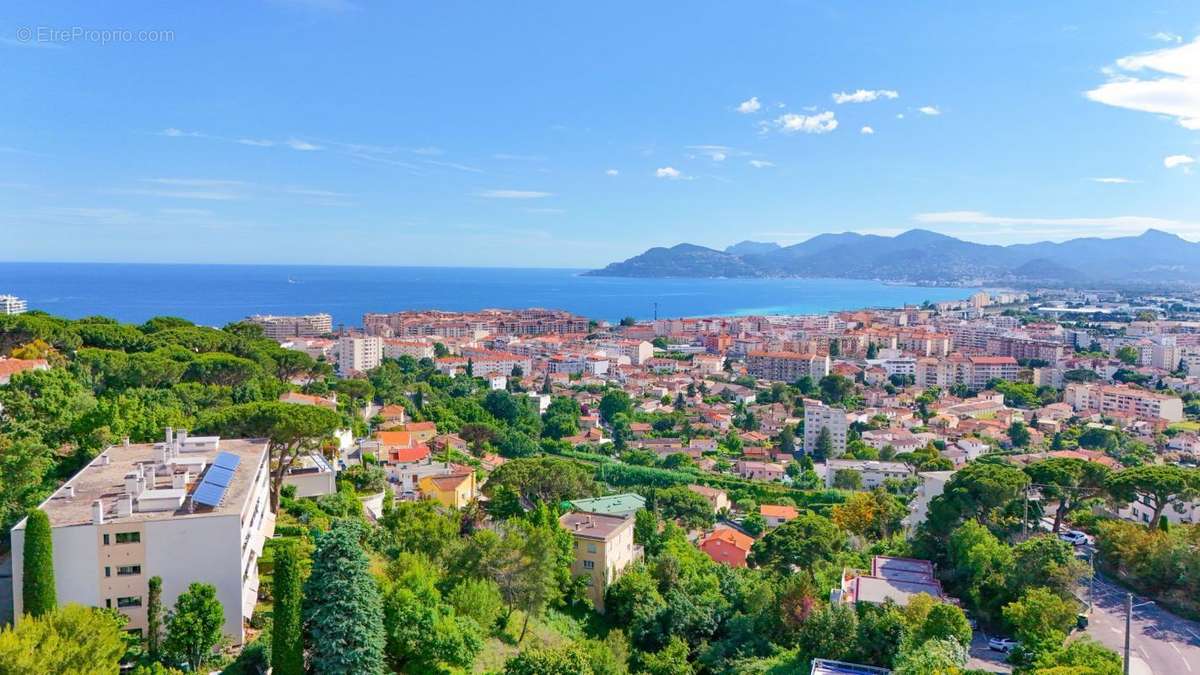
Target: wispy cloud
x=505 y=156
x=931 y=110
x=1114 y=180
x=514 y=194
x=749 y=106
x=820 y=123
x=866 y=130
x=864 y=95
x=611 y=172
x=1163 y=82
x=256 y=142
x=453 y=165
x=668 y=172
x=1163 y=36
x=761 y=163
x=1176 y=161
x=302 y=145
x=717 y=153
x=172 y=132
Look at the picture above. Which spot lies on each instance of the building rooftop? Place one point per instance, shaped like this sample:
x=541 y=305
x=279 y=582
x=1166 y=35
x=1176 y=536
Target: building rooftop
x=593 y=525
x=830 y=667
x=620 y=505
x=167 y=486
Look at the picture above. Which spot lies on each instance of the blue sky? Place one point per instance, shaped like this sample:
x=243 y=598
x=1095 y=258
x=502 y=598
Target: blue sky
x=563 y=134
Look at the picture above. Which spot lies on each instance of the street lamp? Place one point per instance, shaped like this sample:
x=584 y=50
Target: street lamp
x=1129 y=607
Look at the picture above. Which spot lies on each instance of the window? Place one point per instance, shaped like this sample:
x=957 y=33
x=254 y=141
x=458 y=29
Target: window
x=128 y=570
x=130 y=601
x=107 y=571
x=108 y=603
x=129 y=537
x=588 y=564
x=106 y=542
x=591 y=548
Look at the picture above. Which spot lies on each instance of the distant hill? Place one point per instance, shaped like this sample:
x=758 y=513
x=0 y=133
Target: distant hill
x=924 y=257
x=752 y=247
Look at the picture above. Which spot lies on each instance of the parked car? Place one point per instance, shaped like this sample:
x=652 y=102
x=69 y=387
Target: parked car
x=1073 y=537
x=1001 y=644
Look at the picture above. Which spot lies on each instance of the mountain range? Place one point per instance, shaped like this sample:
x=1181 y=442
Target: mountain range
x=924 y=257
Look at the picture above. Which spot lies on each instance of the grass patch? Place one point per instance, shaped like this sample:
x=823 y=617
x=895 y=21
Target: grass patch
x=551 y=629
x=1187 y=425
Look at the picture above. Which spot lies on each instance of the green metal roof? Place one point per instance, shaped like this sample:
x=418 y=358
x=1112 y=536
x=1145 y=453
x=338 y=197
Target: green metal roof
x=617 y=505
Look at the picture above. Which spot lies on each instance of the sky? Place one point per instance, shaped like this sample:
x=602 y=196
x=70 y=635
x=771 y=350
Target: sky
x=568 y=134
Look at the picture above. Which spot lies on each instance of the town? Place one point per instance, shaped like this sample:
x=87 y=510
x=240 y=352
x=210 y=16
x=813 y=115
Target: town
x=981 y=484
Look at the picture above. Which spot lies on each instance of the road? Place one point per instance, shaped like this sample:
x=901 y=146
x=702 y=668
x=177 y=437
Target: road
x=1161 y=643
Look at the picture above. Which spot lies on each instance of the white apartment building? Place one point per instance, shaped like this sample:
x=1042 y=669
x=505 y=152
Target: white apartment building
x=394 y=348
x=638 y=351
x=787 y=366
x=358 y=354
x=873 y=472
x=189 y=509
x=818 y=416
x=1123 y=400
x=11 y=304
x=283 y=327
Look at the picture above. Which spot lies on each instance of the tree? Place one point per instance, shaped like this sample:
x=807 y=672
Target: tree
x=287 y=629
x=670 y=660
x=548 y=479
x=935 y=657
x=847 y=479
x=194 y=625
x=24 y=463
x=874 y=514
x=613 y=403
x=836 y=388
x=1159 y=484
x=1128 y=355
x=1019 y=434
x=787 y=439
x=342 y=610
x=827 y=631
x=1040 y=620
x=292 y=430
x=568 y=659
x=70 y=639
x=1081 y=656
x=803 y=541
x=754 y=524
x=1068 y=480
x=424 y=633
x=38 y=591
x=154 y=618
x=478 y=599
x=824 y=445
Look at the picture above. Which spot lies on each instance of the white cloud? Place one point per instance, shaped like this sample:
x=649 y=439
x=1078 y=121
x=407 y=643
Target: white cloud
x=1164 y=82
x=750 y=105
x=612 y=172
x=179 y=133
x=668 y=172
x=864 y=95
x=1173 y=161
x=899 y=116
x=1114 y=180
x=761 y=163
x=256 y=142
x=196 y=182
x=1124 y=223
x=929 y=110
x=717 y=153
x=299 y=144
x=821 y=123
x=514 y=194
x=867 y=130
x=1162 y=36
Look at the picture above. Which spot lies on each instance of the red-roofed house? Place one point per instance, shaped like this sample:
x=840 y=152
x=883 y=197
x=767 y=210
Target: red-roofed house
x=10 y=367
x=727 y=546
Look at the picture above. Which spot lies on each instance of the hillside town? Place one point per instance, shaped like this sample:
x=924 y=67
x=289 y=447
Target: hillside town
x=862 y=452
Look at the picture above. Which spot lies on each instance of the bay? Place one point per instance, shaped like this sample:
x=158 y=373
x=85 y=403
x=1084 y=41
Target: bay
x=217 y=294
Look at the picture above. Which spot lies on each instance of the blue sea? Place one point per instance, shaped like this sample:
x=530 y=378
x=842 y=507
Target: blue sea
x=217 y=294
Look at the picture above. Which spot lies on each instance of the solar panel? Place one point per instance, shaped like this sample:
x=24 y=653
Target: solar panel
x=218 y=476
x=208 y=494
x=227 y=460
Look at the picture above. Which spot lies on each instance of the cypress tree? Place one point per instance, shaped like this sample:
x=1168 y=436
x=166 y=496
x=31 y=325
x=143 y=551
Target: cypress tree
x=287 y=632
x=37 y=584
x=154 y=618
x=343 y=612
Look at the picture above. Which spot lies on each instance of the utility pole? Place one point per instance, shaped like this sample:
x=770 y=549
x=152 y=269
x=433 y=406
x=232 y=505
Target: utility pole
x=1128 y=620
x=656 y=311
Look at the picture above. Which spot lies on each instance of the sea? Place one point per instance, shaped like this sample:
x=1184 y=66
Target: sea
x=218 y=294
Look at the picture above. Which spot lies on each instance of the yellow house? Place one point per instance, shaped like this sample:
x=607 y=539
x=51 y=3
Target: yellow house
x=454 y=489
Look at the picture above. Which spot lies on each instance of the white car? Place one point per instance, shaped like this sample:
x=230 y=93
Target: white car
x=1073 y=537
x=1002 y=644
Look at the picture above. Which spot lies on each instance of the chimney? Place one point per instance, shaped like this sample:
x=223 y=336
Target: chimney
x=170 y=436
x=161 y=453
x=131 y=481
x=97 y=512
x=104 y=459
x=124 y=506
x=181 y=437
x=69 y=491
x=125 y=442
x=180 y=480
